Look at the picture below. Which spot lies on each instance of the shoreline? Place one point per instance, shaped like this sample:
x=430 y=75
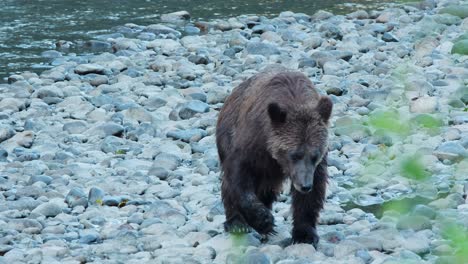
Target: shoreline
x=111 y=157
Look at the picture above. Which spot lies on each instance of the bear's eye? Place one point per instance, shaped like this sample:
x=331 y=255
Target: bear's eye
x=297 y=156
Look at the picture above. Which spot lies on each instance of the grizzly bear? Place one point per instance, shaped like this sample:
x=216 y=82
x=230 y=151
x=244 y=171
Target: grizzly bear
x=273 y=126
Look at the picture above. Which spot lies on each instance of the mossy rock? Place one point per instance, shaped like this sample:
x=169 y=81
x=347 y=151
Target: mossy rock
x=427 y=121
x=462 y=37
x=464 y=98
x=460 y=11
x=447 y=19
x=456 y=103
x=460 y=47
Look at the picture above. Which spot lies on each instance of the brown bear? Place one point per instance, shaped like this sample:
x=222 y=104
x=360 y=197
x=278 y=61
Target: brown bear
x=272 y=127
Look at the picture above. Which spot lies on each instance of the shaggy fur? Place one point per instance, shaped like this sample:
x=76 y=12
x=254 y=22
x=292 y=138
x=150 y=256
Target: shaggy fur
x=272 y=127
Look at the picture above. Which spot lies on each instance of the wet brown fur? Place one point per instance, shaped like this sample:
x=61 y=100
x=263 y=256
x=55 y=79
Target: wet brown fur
x=251 y=146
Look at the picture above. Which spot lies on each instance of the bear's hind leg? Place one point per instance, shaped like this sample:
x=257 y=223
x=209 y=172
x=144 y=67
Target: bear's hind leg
x=267 y=198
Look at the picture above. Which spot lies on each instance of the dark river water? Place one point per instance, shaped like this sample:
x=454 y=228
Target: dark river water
x=29 y=27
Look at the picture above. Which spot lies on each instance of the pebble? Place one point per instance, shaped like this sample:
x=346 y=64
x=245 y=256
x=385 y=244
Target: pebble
x=112 y=157
x=89 y=68
x=189 y=109
x=76 y=197
x=48 y=209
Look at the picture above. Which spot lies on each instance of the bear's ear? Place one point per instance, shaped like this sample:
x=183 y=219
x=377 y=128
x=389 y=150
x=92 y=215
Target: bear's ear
x=324 y=108
x=277 y=115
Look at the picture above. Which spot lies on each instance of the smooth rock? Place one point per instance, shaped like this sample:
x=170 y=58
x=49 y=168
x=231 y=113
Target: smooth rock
x=76 y=197
x=175 y=16
x=189 y=109
x=89 y=68
x=48 y=209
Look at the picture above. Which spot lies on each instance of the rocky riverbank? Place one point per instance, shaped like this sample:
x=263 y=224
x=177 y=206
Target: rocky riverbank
x=111 y=158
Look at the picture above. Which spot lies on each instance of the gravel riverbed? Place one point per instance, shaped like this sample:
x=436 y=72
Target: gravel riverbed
x=111 y=158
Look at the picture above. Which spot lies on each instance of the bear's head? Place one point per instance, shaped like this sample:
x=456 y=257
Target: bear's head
x=298 y=139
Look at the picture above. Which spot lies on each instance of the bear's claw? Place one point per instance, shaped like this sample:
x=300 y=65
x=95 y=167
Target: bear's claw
x=236 y=226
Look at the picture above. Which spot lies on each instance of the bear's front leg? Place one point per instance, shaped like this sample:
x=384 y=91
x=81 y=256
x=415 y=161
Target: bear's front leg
x=258 y=216
x=240 y=201
x=307 y=206
x=235 y=221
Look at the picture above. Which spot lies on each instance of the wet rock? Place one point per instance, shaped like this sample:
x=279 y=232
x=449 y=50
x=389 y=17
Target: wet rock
x=460 y=11
x=321 y=15
x=48 y=209
x=260 y=48
x=75 y=127
x=191 y=108
x=96 y=196
x=452 y=151
x=415 y=222
x=187 y=135
x=424 y=104
x=179 y=16
x=460 y=47
x=83 y=69
x=76 y=197
x=6 y=132
x=389 y=37
x=51 y=54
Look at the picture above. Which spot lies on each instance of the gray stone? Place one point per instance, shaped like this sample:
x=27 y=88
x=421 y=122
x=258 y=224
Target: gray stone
x=51 y=54
x=98 y=80
x=330 y=30
x=389 y=37
x=89 y=237
x=189 y=109
x=48 y=209
x=307 y=62
x=75 y=127
x=40 y=178
x=187 y=135
x=25 y=225
x=6 y=132
x=321 y=15
x=96 y=196
x=165 y=212
x=110 y=129
x=424 y=210
x=76 y=197
x=359 y=14
x=99 y=45
x=159 y=29
x=89 y=68
x=29 y=191
x=3 y=155
x=252 y=257
x=111 y=144
x=24 y=203
x=415 y=222
x=451 y=150
x=333 y=237
x=159 y=172
x=111 y=200
x=364 y=255
x=260 y=48
x=178 y=16
x=167 y=161
x=191 y=30
x=12 y=104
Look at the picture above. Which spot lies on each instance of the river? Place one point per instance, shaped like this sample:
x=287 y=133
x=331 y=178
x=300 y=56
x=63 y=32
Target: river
x=30 y=27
